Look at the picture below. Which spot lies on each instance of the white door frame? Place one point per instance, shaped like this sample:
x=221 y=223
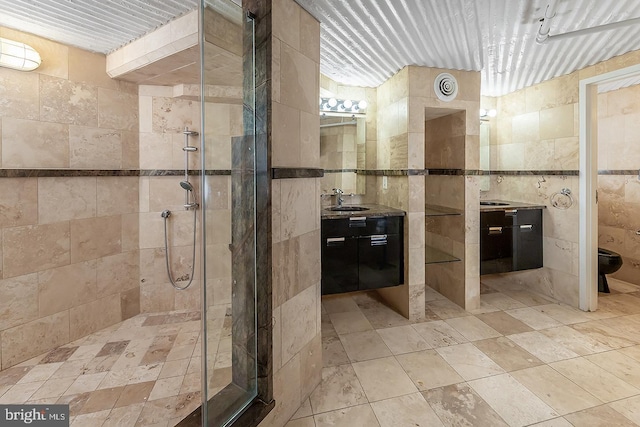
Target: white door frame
x=589 y=182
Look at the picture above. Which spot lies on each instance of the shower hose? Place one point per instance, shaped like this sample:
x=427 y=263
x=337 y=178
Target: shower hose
x=165 y=215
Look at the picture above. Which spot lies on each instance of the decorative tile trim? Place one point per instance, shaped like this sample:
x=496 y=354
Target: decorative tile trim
x=466 y=172
x=536 y=172
x=635 y=172
x=47 y=173
x=391 y=172
x=284 y=173
x=326 y=171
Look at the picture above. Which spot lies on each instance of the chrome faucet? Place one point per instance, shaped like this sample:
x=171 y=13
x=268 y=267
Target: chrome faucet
x=338 y=193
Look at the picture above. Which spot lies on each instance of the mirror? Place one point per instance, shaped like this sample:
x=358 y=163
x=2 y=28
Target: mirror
x=485 y=154
x=342 y=152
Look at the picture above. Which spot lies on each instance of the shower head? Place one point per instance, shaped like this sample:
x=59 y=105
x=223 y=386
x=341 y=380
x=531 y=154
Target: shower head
x=186 y=185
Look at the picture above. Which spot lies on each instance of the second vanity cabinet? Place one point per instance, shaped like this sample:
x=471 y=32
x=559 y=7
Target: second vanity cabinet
x=510 y=240
x=360 y=252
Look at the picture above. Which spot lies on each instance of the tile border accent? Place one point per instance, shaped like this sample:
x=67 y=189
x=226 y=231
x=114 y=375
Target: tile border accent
x=46 y=173
x=457 y=172
x=634 y=172
x=284 y=173
x=534 y=172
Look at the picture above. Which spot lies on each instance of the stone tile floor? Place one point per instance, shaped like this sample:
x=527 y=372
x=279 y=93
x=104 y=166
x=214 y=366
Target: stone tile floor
x=145 y=371
x=521 y=359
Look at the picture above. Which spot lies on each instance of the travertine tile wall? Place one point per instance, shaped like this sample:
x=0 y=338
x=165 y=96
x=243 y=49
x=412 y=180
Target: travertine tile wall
x=297 y=347
x=619 y=195
x=392 y=153
x=405 y=102
x=540 y=124
x=537 y=128
x=163 y=119
x=69 y=256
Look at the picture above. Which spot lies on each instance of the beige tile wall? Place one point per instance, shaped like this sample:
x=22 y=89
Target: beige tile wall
x=297 y=348
x=62 y=237
x=405 y=103
x=162 y=121
x=537 y=128
x=619 y=196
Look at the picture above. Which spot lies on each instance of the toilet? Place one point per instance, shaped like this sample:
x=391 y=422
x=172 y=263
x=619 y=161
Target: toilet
x=608 y=262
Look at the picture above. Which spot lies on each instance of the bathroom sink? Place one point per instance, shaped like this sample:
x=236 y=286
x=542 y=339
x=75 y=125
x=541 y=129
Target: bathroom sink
x=493 y=204
x=348 y=209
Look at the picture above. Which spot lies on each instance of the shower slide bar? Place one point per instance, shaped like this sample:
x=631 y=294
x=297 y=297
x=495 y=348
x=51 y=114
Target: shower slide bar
x=190 y=202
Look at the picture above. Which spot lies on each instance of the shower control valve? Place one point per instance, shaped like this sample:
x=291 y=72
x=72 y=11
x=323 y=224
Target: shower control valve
x=165 y=213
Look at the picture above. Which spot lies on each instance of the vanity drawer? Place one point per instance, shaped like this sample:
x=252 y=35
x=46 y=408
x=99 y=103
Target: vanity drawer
x=495 y=219
x=361 y=226
x=382 y=225
x=342 y=227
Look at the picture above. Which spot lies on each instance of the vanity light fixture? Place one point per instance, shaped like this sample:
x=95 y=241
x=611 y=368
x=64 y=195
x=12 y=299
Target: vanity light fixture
x=488 y=113
x=333 y=105
x=18 y=56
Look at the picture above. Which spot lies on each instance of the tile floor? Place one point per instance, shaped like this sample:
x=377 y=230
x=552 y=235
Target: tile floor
x=145 y=371
x=520 y=360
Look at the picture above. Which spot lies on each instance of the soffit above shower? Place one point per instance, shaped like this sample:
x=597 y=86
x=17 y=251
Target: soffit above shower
x=364 y=42
x=119 y=26
x=171 y=53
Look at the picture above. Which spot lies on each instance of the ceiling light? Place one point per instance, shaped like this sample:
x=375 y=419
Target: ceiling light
x=18 y=56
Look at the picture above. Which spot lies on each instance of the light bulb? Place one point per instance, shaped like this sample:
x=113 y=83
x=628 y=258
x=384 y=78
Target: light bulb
x=492 y=113
x=362 y=104
x=483 y=112
x=347 y=104
x=332 y=102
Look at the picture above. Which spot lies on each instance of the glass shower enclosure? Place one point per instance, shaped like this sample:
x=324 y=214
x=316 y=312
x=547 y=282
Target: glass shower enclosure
x=229 y=211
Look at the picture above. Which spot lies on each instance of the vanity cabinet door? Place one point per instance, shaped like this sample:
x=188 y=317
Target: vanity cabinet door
x=339 y=265
x=527 y=237
x=496 y=249
x=380 y=261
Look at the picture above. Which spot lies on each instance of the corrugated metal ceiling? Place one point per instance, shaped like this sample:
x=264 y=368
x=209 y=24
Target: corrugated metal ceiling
x=96 y=25
x=364 y=42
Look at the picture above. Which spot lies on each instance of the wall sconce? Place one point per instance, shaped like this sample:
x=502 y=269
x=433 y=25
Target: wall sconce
x=349 y=106
x=488 y=113
x=18 y=56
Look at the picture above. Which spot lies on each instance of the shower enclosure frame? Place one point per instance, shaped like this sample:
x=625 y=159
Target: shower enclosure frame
x=256 y=87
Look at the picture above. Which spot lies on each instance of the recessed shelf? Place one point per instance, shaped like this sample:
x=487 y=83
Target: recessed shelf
x=436 y=256
x=435 y=210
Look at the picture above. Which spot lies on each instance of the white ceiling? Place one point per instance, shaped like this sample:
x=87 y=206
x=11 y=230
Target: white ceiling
x=364 y=42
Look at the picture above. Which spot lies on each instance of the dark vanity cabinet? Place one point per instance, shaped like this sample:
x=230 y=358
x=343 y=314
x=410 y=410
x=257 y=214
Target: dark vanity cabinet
x=527 y=239
x=361 y=253
x=510 y=240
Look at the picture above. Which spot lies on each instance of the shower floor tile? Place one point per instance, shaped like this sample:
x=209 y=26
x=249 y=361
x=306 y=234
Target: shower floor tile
x=143 y=371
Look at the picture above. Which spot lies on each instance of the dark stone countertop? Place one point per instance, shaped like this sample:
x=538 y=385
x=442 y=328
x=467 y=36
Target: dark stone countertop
x=374 y=211
x=509 y=205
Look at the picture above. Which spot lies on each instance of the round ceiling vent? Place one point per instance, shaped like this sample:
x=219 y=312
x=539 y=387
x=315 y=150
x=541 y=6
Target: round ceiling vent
x=446 y=87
